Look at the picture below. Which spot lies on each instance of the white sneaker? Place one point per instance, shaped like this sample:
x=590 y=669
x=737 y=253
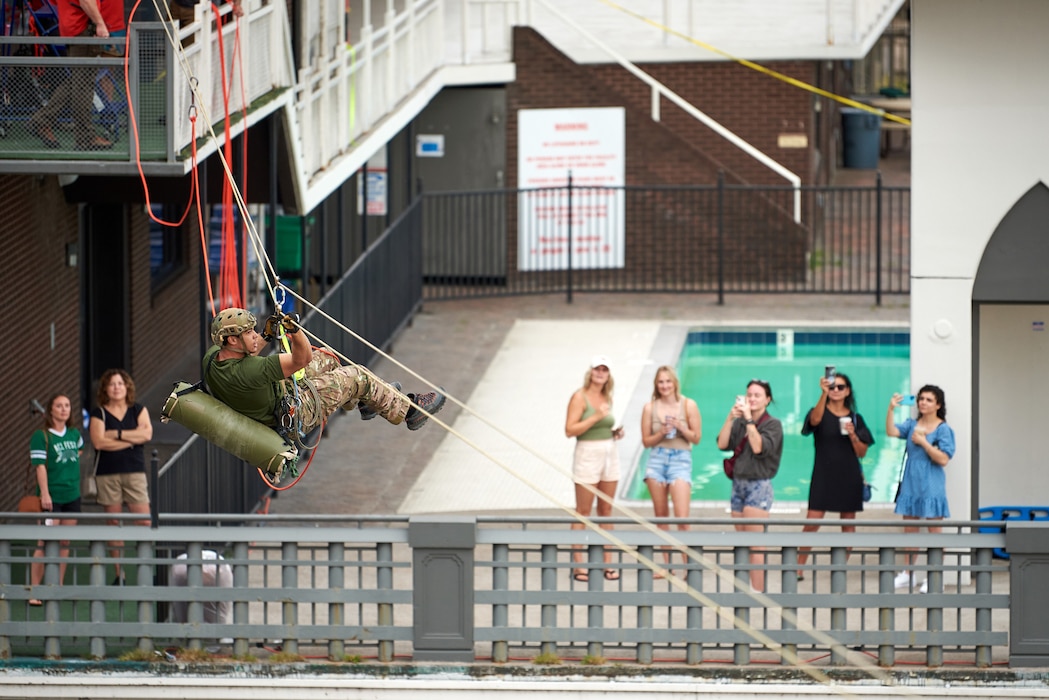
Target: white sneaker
x=924 y=587
x=902 y=580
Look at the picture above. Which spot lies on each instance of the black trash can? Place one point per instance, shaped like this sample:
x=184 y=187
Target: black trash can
x=862 y=130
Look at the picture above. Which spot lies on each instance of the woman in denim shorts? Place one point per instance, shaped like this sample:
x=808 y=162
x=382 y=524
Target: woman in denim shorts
x=670 y=426
x=759 y=439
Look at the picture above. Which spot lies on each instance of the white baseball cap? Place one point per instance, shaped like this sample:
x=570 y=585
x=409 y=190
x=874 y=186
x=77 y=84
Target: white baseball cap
x=598 y=360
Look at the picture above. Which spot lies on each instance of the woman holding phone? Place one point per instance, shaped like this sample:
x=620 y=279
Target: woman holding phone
x=841 y=438
x=759 y=439
x=923 y=486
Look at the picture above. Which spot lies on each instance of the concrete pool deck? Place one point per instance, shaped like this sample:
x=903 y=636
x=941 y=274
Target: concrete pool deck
x=515 y=362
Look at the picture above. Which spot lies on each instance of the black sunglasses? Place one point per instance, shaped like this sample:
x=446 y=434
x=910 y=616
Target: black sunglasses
x=838 y=387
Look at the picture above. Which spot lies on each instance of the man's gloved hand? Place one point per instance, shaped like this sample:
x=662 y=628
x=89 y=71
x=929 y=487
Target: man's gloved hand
x=290 y=323
x=269 y=331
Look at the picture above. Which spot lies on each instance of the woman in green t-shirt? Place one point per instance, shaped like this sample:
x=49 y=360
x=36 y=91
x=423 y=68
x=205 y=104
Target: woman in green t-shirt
x=55 y=452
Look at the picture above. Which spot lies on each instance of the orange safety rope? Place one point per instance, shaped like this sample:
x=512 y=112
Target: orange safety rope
x=194 y=192
x=313 y=450
x=229 y=283
x=229 y=279
x=313 y=453
x=238 y=60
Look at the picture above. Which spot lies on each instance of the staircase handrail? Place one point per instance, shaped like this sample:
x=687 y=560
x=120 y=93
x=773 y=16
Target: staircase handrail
x=659 y=89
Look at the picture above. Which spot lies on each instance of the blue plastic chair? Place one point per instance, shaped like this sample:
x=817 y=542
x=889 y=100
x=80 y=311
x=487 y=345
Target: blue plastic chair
x=1010 y=513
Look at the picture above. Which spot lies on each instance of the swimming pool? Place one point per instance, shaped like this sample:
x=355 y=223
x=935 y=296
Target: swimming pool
x=715 y=365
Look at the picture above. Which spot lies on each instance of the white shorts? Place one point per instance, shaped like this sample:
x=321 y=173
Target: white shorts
x=595 y=461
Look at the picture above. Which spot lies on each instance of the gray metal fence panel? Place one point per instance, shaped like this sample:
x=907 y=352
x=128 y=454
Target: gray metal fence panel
x=352 y=587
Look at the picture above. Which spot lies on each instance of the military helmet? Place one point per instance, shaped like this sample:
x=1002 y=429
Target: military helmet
x=232 y=321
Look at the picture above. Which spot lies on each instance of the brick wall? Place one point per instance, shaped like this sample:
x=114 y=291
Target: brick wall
x=663 y=229
x=164 y=322
x=678 y=149
x=40 y=290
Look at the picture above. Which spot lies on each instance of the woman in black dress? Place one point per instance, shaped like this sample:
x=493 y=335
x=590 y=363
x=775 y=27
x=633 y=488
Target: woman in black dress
x=842 y=438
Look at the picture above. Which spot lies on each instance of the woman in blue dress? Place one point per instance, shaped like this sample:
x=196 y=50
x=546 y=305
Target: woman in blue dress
x=930 y=445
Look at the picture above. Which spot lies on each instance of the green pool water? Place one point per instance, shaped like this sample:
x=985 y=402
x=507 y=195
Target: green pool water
x=715 y=366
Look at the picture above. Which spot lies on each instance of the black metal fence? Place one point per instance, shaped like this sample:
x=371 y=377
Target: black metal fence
x=375 y=298
x=716 y=239
x=707 y=238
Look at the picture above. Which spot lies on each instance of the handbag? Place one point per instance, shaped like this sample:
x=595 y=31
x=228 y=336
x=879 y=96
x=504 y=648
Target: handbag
x=88 y=485
x=729 y=463
x=899 y=484
x=867 y=495
x=30 y=504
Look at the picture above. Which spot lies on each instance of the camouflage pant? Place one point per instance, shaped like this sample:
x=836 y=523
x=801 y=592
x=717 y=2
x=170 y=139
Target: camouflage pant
x=329 y=385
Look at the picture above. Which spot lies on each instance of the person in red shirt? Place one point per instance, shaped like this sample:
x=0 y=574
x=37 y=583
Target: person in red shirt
x=79 y=18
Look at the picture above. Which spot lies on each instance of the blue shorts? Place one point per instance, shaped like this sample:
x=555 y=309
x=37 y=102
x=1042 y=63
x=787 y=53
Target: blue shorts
x=756 y=493
x=667 y=466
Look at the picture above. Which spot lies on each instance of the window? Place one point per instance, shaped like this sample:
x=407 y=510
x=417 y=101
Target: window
x=167 y=254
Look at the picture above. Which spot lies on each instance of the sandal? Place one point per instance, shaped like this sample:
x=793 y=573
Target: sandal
x=611 y=575
x=581 y=575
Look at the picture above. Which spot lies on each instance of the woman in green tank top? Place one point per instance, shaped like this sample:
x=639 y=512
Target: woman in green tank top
x=595 y=466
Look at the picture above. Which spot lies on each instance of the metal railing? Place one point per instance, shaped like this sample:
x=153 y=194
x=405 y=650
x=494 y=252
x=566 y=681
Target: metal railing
x=168 y=107
x=375 y=298
x=721 y=238
x=501 y=589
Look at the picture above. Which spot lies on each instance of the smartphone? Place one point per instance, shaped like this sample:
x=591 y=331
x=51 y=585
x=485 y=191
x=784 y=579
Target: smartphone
x=907 y=400
x=830 y=372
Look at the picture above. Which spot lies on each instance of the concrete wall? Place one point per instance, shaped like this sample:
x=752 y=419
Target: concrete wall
x=1014 y=366
x=980 y=142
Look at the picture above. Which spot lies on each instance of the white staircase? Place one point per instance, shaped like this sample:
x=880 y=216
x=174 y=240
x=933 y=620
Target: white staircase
x=365 y=74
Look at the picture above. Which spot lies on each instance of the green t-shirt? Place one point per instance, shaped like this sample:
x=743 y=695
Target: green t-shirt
x=61 y=455
x=250 y=385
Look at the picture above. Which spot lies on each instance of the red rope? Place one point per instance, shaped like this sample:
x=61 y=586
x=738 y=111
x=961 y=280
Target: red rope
x=305 y=469
x=229 y=277
x=238 y=60
x=194 y=192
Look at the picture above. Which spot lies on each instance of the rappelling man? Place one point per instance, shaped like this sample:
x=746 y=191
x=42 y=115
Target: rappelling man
x=266 y=390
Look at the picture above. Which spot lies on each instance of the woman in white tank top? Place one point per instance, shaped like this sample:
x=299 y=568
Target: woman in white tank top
x=670 y=426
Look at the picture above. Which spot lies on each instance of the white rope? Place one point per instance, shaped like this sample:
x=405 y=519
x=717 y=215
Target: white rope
x=723 y=574
x=677 y=545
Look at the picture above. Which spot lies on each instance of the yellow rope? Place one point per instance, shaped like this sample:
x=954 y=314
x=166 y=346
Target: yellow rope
x=760 y=68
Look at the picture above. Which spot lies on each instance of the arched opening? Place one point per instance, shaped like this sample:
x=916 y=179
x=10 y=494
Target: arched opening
x=1011 y=358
